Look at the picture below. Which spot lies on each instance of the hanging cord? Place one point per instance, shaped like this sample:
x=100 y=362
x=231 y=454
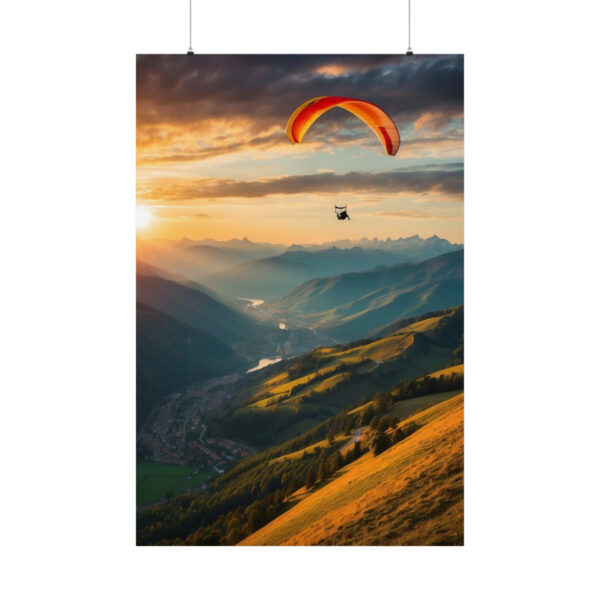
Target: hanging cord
x=190 y=50
x=409 y=51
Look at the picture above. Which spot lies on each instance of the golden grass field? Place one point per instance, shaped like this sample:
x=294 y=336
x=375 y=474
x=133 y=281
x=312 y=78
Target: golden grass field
x=411 y=494
x=279 y=386
x=340 y=438
x=423 y=325
x=458 y=369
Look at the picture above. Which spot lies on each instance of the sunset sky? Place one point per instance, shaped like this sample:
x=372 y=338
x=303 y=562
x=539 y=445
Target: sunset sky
x=213 y=159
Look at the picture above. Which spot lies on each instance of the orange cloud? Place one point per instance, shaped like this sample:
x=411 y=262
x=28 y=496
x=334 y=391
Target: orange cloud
x=434 y=120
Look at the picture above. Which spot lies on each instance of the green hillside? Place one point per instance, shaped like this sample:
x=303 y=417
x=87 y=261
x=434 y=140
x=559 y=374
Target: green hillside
x=290 y=397
x=410 y=494
x=261 y=490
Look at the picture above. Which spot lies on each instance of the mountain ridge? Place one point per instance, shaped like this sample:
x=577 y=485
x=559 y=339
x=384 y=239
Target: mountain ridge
x=358 y=303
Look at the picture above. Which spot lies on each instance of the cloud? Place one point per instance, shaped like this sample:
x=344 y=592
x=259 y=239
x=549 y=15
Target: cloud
x=150 y=154
x=179 y=88
x=436 y=120
x=443 y=182
x=412 y=214
x=232 y=103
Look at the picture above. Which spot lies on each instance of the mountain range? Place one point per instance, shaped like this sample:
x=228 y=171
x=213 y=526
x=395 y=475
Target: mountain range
x=353 y=305
x=351 y=433
x=274 y=276
x=196 y=259
x=248 y=269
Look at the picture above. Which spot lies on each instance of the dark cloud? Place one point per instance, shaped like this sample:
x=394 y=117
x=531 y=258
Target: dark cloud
x=265 y=89
x=446 y=181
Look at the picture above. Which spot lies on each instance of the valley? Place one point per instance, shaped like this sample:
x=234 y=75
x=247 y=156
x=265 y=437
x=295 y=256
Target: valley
x=248 y=392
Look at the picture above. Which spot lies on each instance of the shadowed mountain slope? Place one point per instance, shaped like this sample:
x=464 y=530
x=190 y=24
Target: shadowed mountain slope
x=194 y=307
x=171 y=353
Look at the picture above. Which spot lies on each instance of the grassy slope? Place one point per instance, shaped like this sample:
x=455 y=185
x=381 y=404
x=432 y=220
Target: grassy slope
x=391 y=359
x=405 y=408
x=337 y=441
x=383 y=350
x=411 y=494
x=459 y=369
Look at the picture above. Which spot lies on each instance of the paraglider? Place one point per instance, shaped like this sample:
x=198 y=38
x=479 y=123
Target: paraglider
x=342 y=213
x=379 y=122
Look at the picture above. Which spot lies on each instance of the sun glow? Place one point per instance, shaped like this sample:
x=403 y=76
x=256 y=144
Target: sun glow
x=143 y=217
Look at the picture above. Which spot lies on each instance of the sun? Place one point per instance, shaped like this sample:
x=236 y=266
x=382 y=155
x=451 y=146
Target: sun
x=143 y=217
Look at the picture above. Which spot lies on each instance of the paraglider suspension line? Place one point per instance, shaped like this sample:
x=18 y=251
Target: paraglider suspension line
x=190 y=50
x=409 y=51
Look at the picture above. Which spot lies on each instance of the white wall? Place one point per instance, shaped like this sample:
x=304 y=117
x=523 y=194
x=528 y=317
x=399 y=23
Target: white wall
x=67 y=146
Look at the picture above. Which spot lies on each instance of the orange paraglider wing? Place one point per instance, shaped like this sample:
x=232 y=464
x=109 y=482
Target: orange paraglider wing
x=308 y=112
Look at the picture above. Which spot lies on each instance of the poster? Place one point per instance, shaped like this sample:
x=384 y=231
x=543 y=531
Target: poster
x=299 y=300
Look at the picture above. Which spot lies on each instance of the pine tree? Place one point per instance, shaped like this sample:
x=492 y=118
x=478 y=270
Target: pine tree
x=337 y=462
x=380 y=443
x=311 y=478
x=254 y=520
x=322 y=474
x=294 y=485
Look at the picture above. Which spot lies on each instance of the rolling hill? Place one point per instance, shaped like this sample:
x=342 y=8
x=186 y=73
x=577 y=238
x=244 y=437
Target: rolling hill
x=259 y=492
x=353 y=305
x=410 y=494
x=171 y=353
x=290 y=397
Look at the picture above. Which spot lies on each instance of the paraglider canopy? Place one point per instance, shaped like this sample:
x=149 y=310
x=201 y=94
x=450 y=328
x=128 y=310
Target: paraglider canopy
x=379 y=122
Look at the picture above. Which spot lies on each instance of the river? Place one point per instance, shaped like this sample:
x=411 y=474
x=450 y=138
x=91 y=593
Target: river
x=264 y=362
x=254 y=302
